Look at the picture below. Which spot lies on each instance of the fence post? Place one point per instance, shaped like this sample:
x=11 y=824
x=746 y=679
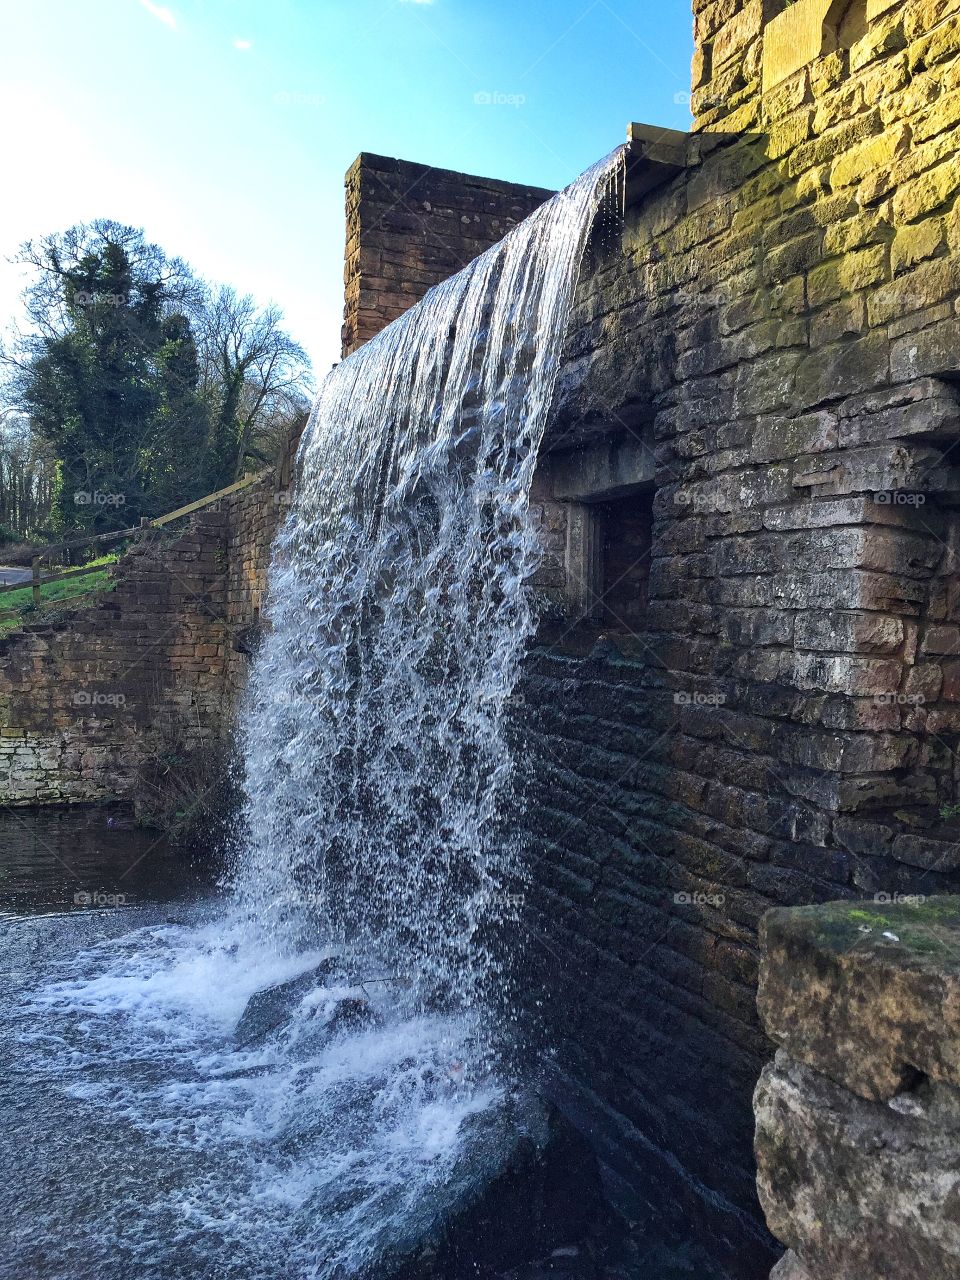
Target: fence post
x=35 y=567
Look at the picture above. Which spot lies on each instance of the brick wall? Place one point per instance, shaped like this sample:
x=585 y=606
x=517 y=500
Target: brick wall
x=409 y=226
x=144 y=675
x=780 y=726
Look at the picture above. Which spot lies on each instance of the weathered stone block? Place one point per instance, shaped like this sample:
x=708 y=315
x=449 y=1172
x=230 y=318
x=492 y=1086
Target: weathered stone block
x=853 y=632
x=928 y=853
x=935 y=350
x=888 y=973
x=881 y=469
x=924 y=195
x=941 y=43
x=917 y=242
x=790 y=1268
x=855 y=271
x=859 y=1191
x=843 y=370
x=854 y=165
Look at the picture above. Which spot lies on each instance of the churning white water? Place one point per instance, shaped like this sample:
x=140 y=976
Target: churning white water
x=379 y=828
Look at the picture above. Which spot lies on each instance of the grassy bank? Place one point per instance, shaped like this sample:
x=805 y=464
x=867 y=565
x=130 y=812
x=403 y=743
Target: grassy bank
x=17 y=607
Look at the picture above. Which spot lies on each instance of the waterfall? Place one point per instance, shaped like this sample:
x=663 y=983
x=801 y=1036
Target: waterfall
x=381 y=799
x=379 y=849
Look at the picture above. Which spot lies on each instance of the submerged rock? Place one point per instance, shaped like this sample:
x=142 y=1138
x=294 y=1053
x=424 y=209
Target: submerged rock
x=351 y=1014
x=269 y=1009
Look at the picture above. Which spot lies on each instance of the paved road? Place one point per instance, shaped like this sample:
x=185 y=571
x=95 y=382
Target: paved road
x=9 y=576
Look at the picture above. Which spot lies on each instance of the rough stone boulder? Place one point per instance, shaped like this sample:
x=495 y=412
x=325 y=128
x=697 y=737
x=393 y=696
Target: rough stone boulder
x=269 y=1009
x=866 y=993
x=859 y=1190
x=858 y=1119
x=790 y=1268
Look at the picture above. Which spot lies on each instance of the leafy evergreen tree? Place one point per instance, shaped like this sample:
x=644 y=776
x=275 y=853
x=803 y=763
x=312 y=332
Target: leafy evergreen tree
x=149 y=387
x=111 y=376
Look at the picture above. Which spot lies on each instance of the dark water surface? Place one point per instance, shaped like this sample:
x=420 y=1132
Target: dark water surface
x=82 y=858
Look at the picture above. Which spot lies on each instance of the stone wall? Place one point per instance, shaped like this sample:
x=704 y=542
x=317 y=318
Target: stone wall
x=144 y=677
x=858 y=1119
x=771 y=714
x=409 y=226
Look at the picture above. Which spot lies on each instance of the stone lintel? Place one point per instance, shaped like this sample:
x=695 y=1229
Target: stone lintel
x=654 y=156
x=602 y=472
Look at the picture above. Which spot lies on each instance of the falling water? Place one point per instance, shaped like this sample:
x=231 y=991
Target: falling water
x=379 y=835
x=379 y=776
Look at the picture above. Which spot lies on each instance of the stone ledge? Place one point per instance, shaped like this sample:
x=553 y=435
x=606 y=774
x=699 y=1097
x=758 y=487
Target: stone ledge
x=654 y=156
x=866 y=993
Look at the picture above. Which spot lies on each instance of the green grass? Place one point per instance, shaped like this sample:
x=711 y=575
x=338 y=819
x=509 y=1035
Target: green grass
x=16 y=607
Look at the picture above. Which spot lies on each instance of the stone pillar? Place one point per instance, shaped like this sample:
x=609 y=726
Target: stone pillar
x=409 y=226
x=584 y=560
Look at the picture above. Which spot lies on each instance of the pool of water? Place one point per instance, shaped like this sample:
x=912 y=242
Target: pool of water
x=139 y=1138
x=88 y=859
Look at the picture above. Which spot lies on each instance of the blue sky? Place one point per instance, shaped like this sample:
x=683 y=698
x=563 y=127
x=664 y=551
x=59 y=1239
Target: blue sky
x=224 y=127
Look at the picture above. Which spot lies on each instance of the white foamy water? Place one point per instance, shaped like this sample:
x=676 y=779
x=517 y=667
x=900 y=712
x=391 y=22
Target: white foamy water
x=379 y=828
x=381 y=788
x=301 y=1155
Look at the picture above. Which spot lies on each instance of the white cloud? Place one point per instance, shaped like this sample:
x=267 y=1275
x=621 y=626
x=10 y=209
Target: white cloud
x=243 y=45
x=163 y=14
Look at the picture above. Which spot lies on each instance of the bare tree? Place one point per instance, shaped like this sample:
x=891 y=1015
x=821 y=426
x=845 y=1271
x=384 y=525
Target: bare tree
x=137 y=377
x=66 y=263
x=255 y=378
x=28 y=477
